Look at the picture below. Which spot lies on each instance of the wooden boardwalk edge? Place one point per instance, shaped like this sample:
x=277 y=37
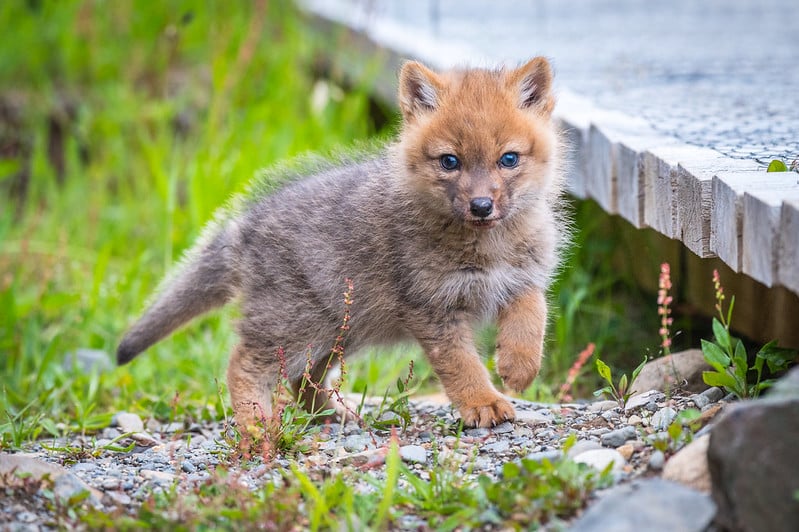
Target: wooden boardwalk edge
x=715 y=205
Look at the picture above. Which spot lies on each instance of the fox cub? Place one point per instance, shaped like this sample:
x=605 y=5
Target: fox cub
x=456 y=223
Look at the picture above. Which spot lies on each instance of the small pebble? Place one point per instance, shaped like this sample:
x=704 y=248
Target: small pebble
x=626 y=451
x=713 y=394
x=618 y=437
x=700 y=400
x=415 y=454
x=479 y=432
x=600 y=458
x=503 y=428
x=663 y=418
x=657 y=460
x=602 y=406
x=497 y=447
x=539 y=456
x=187 y=466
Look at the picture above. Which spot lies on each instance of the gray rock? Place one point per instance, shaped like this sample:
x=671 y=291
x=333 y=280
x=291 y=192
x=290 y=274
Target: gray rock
x=531 y=417
x=650 y=504
x=503 y=428
x=663 y=418
x=641 y=399
x=415 y=454
x=128 y=422
x=581 y=446
x=617 y=437
x=599 y=459
x=356 y=443
x=479 y=432
x=700 y=400
x=753 y=465
x=84 y=467
x=602 y=406
x=497 y=447
x=188 y=467
x=657 y=460
x=67 y=486
x=540 y=456
x=65 y=483
x=713 y=394
x=787 y=386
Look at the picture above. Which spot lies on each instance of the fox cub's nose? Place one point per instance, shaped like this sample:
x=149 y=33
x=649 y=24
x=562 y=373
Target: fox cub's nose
x=481 y=207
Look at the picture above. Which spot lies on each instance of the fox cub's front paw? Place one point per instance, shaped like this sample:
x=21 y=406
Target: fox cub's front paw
x=518 y=367
x=493 y=411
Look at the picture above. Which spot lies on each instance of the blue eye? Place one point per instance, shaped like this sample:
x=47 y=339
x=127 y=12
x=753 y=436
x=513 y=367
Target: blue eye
x=509 y=160
x=449 y=162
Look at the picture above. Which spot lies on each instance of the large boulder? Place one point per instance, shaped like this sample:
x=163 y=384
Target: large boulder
x=683 y=370
x=648 y=504
x=753 y=463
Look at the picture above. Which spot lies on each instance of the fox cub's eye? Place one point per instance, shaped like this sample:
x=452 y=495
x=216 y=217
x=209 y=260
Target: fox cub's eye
x=449 y=162
x=509 y=160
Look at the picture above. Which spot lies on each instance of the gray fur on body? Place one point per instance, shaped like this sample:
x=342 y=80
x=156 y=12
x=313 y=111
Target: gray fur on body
x=286 y=256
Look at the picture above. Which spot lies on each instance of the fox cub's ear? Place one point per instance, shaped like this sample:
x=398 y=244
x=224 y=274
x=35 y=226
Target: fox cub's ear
x=419 y=90
x=533 y=82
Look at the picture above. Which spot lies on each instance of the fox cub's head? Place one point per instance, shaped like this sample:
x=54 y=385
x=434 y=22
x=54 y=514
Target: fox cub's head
x=478 y=144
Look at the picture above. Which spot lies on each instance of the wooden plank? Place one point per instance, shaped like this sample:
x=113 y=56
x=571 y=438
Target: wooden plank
x=629 y=183
x=788 y=260
x=694 y=182
x=727 y=211
x=761 y=225
x=660 y=182
x=601 y=179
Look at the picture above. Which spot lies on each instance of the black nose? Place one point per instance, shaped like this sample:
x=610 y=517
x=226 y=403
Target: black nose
x=481 y=207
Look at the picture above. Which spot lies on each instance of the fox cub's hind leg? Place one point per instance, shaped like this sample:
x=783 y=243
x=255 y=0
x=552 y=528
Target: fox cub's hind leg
x=520 y=339
x=251 y=382
x=465 y=378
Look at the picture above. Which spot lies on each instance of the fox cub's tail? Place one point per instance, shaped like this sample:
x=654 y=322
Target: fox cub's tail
x=204 y=280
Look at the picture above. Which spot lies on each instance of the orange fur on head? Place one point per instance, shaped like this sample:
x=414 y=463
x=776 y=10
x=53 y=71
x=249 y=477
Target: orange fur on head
x=477 y=116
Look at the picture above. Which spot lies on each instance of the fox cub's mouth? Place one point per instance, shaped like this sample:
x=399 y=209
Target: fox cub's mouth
x=484 y=223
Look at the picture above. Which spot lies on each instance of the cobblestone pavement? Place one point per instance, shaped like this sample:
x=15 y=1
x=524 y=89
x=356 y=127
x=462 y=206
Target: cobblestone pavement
x=722 y=74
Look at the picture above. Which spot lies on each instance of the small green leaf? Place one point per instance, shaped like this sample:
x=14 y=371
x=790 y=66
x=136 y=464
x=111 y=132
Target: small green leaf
x=604 y=371
x=722 y=334
x=637 y=370
x=777 y=166
x=606 y=390
x=622 y=384
x=722 y=379
x=715 y=356
x=740 y=362
x=674 y=430
x=778 y=358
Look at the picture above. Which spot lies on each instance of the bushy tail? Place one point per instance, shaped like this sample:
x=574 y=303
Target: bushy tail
x=205 y=279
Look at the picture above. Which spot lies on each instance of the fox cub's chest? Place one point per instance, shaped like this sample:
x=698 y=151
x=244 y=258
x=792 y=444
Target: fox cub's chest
x=479 y=290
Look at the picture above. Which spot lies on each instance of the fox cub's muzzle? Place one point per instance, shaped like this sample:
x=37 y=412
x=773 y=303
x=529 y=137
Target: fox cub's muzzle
x=481 y=207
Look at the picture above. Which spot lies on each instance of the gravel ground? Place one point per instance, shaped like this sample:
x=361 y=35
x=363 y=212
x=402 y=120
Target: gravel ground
x=179 y=454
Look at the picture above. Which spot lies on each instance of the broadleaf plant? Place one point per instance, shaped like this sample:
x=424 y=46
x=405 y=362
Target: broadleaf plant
x=728 y=358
